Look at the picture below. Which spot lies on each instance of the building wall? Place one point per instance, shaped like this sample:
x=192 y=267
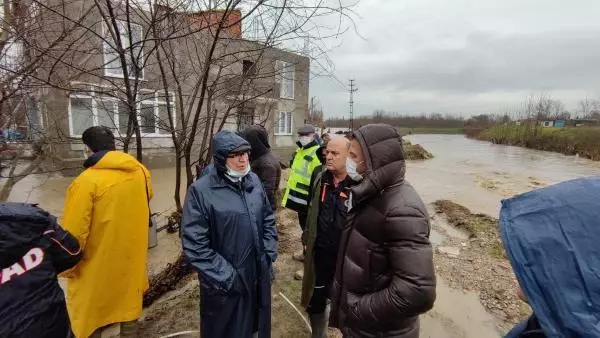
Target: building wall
x=55 y=105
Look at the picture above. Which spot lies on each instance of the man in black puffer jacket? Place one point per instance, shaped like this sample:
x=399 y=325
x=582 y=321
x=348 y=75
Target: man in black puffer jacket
x=263 y=161
x=385 y=274
x=34 y=249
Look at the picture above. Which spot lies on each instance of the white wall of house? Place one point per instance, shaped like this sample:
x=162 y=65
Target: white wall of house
x=287 y=121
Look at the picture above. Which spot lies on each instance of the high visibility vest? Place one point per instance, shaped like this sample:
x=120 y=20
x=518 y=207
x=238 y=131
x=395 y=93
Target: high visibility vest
x=296 y=192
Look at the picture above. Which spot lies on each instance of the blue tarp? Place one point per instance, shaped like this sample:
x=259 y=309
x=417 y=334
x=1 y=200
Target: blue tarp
x=552 y=238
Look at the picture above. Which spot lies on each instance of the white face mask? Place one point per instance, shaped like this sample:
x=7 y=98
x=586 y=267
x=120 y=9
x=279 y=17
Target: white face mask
x=305 y=140
x=351 y=170
x=237 y=174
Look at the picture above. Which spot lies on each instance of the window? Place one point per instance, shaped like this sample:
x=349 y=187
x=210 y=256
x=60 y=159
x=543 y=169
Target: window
x=284 y=124
x=90 y=109
x=11 y=58
x=285 y=76
x=112 y=62
x=82 y=116
x=245 y=117
x=248 y=68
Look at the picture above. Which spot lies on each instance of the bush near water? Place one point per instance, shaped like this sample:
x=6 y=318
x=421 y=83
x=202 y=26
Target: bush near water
x=415 y=151
x=582 y=141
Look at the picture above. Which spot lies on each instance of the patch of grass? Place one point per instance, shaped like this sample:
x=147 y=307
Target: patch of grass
x=428 y=130
x=583 y=141
x=415 y=151
x=479 y=226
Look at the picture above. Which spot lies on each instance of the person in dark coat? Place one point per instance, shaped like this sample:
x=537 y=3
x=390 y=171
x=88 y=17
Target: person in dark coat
x=229 y=237
x=384 y=272
x=263 y=161
x=34 y=249
x=325 y=222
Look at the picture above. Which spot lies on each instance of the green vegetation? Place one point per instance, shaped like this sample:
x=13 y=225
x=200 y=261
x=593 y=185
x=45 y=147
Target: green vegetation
x=429 y=130
x=419 y=124
x=584 y=141
x=479 y=226
x=415 y=151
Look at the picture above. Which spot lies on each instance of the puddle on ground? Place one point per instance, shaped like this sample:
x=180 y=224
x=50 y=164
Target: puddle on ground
x=458 y=314
x=436 y=238
x=440 y=221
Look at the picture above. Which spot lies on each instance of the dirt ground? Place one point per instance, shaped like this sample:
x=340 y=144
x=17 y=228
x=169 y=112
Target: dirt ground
x=458 y=311
x=178 y=310
x=478 y=262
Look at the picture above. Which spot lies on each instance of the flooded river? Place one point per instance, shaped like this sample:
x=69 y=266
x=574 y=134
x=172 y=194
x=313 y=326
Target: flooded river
x=475 y=174
x=479 y=174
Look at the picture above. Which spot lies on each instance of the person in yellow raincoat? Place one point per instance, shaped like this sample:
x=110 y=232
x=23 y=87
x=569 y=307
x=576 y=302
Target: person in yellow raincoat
x=107 y=210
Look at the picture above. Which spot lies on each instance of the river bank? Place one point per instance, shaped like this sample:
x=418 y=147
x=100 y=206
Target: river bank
x=581 y=141
x=475 y=260
x=457 y=312
x=415 y=151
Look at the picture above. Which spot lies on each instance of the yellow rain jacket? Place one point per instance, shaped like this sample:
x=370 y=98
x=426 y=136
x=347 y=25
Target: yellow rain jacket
x=106 y=209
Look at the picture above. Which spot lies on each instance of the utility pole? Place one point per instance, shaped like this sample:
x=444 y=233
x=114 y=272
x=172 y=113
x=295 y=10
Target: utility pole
x=312 y=109
x=352 y=90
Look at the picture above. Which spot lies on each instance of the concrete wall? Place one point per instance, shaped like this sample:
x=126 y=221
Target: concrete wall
x=83 y=67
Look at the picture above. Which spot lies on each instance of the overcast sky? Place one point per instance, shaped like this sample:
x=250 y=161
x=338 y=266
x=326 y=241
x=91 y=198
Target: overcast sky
x=465 y=56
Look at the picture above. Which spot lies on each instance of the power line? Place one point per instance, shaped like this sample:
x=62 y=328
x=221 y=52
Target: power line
x=352 y=90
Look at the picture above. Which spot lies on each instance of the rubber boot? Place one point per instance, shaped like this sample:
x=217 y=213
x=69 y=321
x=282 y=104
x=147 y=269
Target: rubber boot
x=318 y=324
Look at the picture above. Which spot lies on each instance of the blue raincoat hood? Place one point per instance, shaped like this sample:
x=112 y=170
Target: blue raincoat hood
x=223 y=143
x=552 y=236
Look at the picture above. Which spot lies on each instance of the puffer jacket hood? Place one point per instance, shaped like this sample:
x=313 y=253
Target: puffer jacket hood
x=14 y=237
x=384 y=158
x=259 y=140
x=551 y=237
x=223 y=143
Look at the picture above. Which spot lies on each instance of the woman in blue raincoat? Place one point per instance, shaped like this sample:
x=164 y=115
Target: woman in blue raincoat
x=228 y=235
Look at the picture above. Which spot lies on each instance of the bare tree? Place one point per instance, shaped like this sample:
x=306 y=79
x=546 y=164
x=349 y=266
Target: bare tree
x=585 y=107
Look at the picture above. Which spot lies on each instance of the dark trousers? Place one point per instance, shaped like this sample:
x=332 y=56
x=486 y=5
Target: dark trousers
x=324 y=275
x=302 y=219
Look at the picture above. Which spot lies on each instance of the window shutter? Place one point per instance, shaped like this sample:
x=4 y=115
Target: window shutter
x=289 y=123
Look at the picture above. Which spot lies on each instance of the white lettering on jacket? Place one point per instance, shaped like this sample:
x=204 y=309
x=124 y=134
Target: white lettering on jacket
x=31 y=260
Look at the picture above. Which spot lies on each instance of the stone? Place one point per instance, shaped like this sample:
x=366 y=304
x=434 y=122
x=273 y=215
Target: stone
x=450 y=251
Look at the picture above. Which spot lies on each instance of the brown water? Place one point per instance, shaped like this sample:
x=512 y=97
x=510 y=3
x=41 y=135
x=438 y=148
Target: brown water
x=473 y=173
x=480 y=174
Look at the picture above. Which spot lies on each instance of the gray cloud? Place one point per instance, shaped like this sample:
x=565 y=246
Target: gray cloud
x=563 y=60
x=466 y=57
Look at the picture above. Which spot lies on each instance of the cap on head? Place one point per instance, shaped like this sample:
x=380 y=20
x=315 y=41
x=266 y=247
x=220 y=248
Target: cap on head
x=244 y=148
x=99 y=138
x=307 y=130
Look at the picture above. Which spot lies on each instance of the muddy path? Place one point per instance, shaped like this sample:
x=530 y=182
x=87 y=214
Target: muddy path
x=456 y=313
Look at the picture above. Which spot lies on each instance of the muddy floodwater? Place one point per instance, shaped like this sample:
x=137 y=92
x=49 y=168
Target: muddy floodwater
x=472 y=173
x=475 y=174
x=479 y=174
